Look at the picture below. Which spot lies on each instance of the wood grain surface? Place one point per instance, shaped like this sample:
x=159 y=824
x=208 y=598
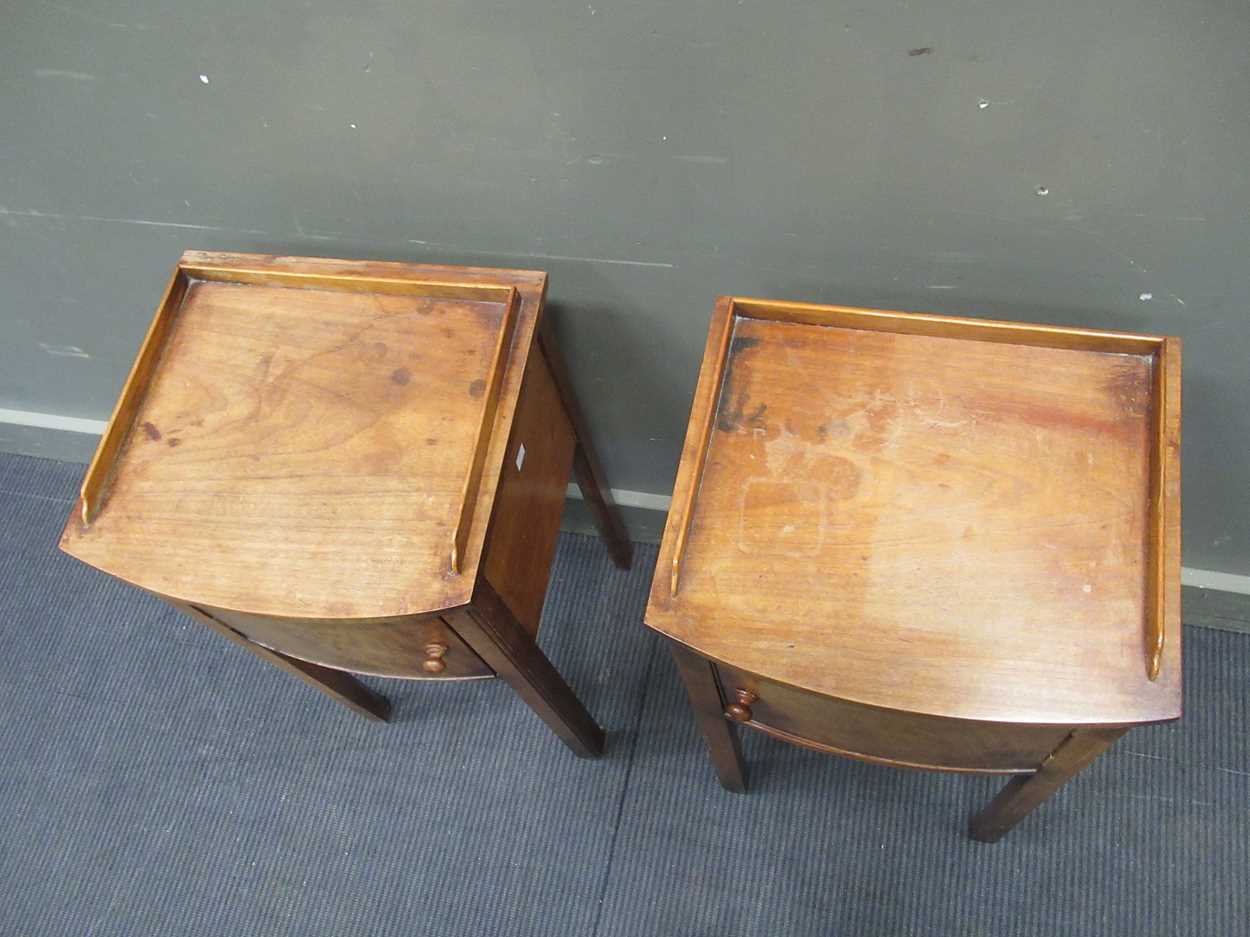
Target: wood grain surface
x=947 y=519
x=380 y=647
x=302 y=449
x=521 y=541
x=886 y=736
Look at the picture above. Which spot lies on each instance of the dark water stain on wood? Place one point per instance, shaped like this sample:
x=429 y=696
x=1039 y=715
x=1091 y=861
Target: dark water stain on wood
x=477 y=387
x=737 y=346
x=734 y=417
x=1129 y=385
x=834 y=428
x=174 y=442
x=149 y=428
x=729 y=417
x=401 y=376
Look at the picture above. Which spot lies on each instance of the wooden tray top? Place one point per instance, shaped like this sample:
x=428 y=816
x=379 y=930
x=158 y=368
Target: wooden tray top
x=311 y=438
x=948 y=516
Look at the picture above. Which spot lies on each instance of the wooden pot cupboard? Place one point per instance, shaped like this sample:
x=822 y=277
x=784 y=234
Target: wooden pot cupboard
x=927 y=542
x=351 y=467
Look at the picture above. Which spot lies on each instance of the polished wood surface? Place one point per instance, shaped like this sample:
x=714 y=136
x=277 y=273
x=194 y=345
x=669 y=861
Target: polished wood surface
x=884 y=736
x=521 y=542
x=350 y=466
x=485 y=426
x=104 y=462
x=319 y=437
x=926 y=514
x=380 y=647
x=926 y=542
x=1164 y=536
x=699 y=438
x=1023 y=795
x=719 y=734
x=502 y=641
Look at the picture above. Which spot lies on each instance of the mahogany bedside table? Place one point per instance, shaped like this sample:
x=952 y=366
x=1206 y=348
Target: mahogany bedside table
x=927 y=542
x=351 y=466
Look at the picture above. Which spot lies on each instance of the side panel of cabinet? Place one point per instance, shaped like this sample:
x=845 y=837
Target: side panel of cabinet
x=521 y=540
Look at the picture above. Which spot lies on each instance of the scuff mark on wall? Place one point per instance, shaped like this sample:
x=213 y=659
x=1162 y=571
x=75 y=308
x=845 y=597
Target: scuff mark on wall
x=63 y=73
x=64 y=351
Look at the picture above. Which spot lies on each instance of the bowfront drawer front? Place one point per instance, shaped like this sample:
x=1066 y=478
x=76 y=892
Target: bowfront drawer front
x=883 y=735
x=410 y=647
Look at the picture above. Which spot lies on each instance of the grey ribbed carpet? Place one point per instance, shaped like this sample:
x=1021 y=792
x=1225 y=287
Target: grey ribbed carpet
x=158 y=780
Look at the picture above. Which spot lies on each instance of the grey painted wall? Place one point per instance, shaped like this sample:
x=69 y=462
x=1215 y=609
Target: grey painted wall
x=650 y=155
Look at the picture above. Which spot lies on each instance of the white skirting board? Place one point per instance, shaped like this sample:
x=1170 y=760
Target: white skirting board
x=633 y=501
x=1210 y=579
x=69 y=424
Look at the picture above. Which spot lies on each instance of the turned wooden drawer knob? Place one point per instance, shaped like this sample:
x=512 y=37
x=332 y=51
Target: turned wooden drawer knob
x=434 y=662
x=740 y=709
